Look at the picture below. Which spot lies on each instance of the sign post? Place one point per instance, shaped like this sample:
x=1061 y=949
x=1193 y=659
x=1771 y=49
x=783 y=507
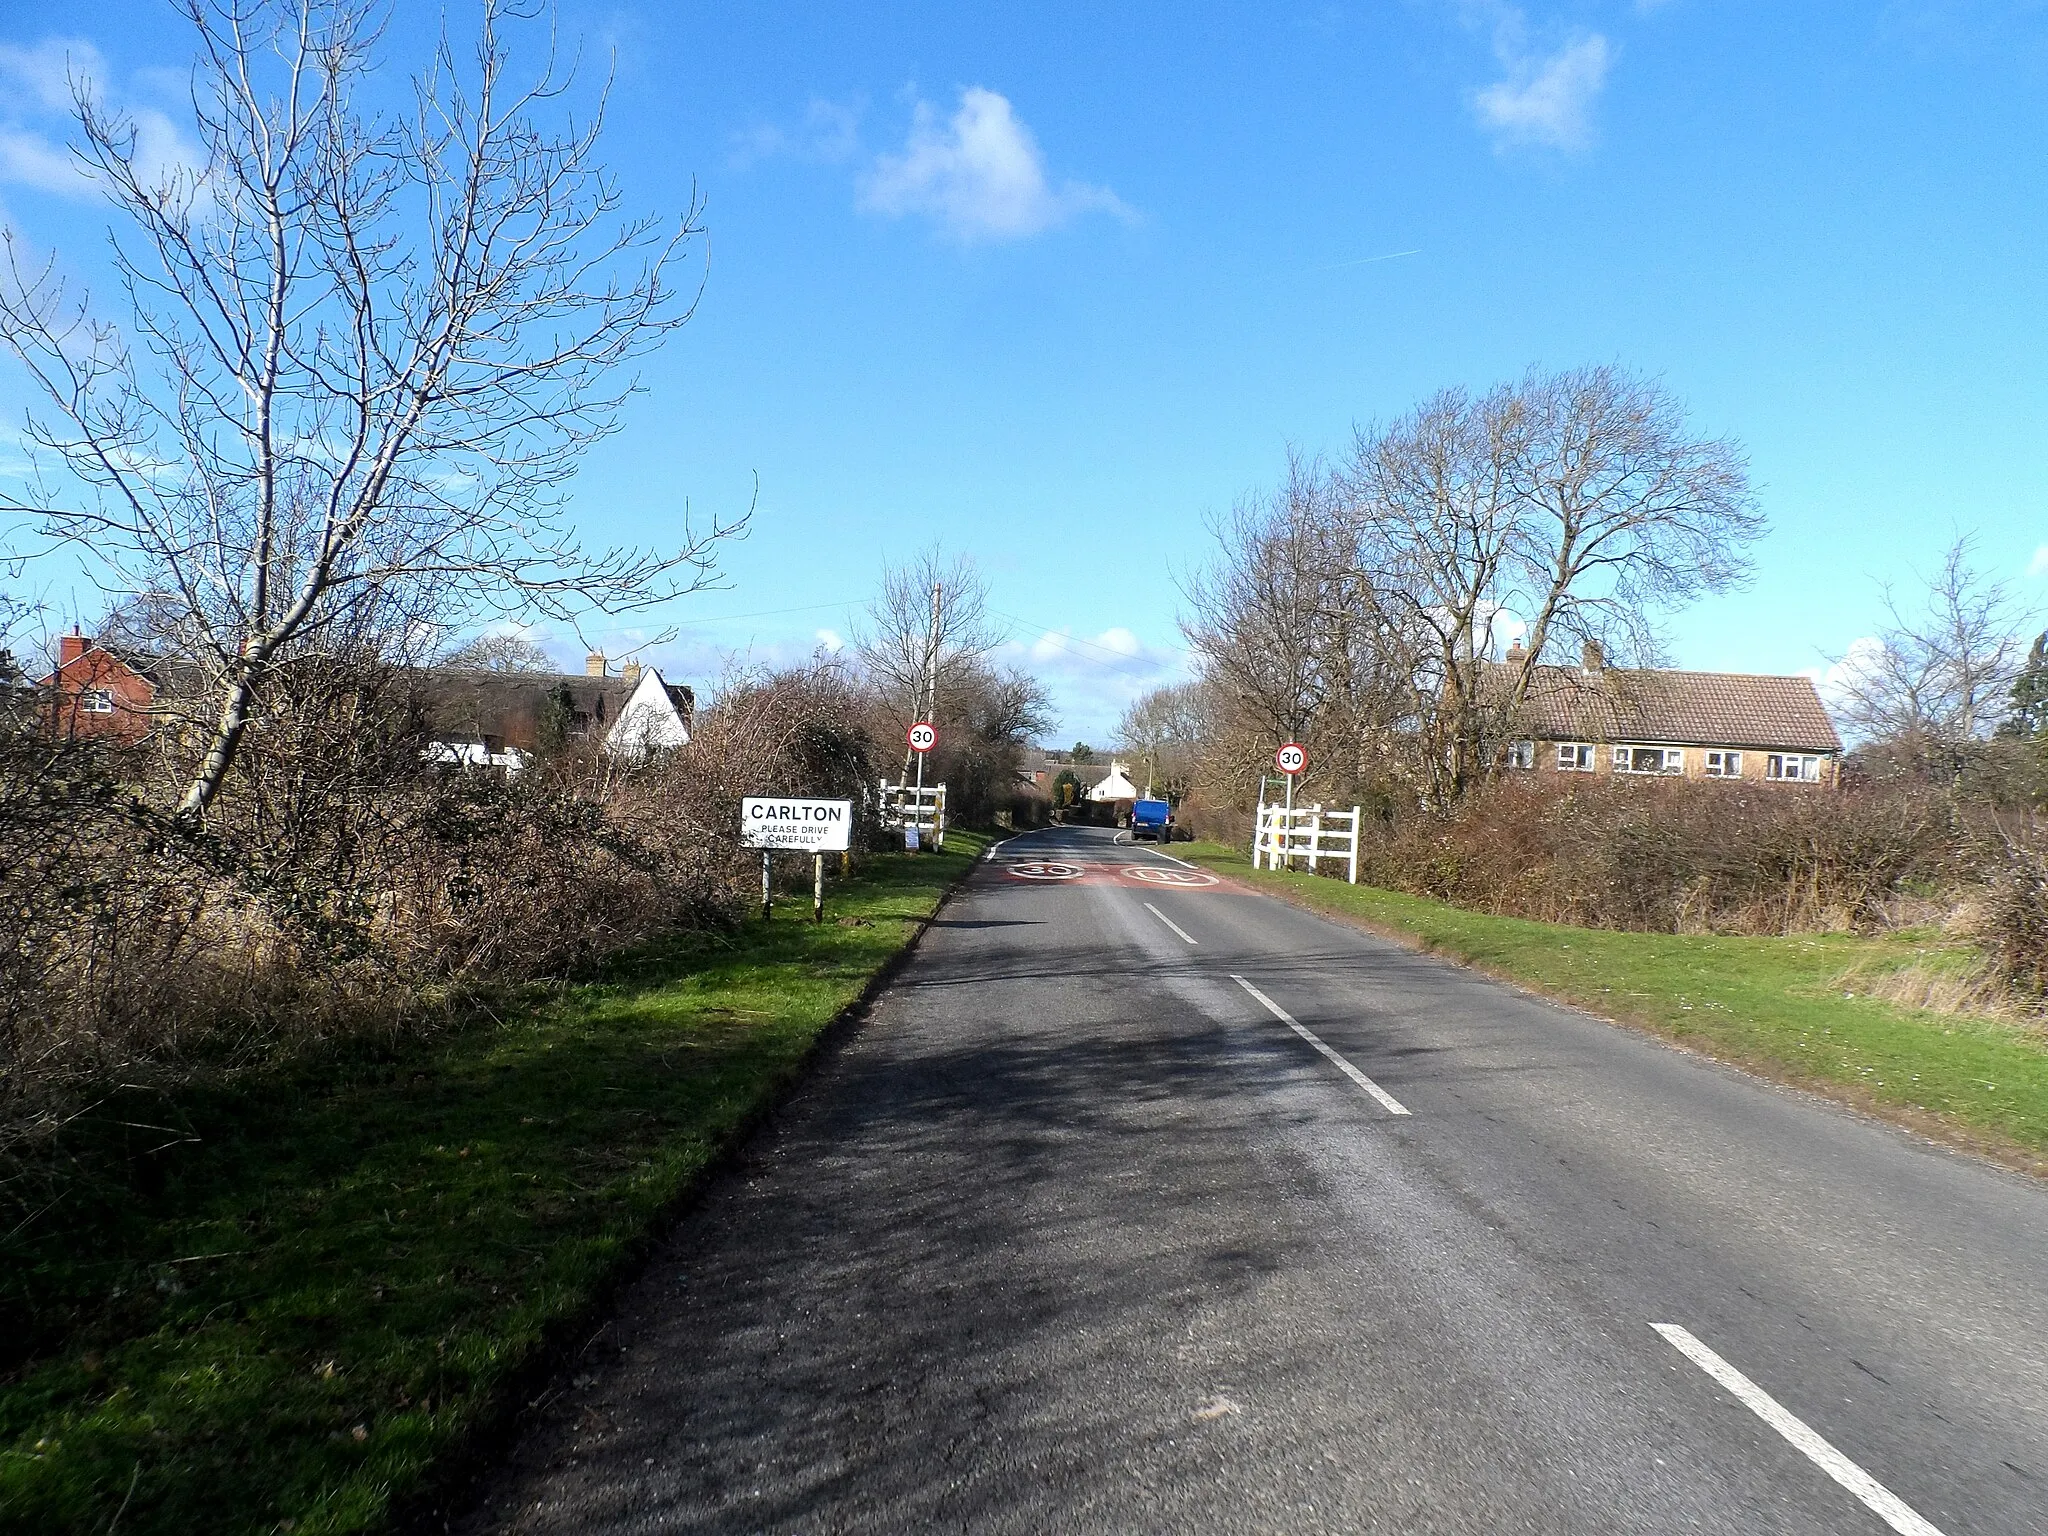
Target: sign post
x=922 y=737
x=816 y=827
x=1291 y=759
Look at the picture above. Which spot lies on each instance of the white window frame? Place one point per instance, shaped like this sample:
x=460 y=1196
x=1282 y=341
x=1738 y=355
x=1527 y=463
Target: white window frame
x=1722 y=764
x=96 y=701
x=1585 y=757
x=1522 y=754
x=1673 y=761
x=1805 y=767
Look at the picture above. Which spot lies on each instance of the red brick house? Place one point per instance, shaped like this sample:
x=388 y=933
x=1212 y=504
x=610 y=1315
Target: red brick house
x=95 y=692
x=1624 y=722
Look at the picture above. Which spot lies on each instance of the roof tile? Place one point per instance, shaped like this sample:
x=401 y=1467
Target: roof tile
x=1705 y=709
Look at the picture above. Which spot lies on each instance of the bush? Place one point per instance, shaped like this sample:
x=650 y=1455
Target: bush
x=342 y=883
x=1678 y=857
x=2013 y=925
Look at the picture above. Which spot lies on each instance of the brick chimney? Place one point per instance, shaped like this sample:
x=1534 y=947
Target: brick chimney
x=593 y=665
x=1516 y=653
x=631 y=673
x=72 y=646
x=1592 y=656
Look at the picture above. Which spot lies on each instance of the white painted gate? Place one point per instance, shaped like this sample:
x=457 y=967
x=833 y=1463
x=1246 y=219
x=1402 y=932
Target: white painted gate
x=914 y=805
x=1306 y=832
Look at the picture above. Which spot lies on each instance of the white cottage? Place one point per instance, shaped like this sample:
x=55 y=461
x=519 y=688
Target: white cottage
x=1115 y=785
x=654 y=718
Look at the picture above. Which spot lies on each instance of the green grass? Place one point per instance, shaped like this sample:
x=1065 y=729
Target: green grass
x=1789 y=1008
x=299 y=1313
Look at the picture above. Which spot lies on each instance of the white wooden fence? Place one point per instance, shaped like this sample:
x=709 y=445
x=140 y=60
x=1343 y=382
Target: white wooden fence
x=922 y=807
x=1306 y=832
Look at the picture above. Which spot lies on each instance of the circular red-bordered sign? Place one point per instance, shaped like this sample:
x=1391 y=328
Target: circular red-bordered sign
x=922 y=736
x=1291 y=759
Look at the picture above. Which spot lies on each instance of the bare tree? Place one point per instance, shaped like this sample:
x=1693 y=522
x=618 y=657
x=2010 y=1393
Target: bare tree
x=360 y=355
x=925 y=634
x=498 y=652
x=1258 y=615
x=1579 y=504
x=1940 y=679
x=1170 y=730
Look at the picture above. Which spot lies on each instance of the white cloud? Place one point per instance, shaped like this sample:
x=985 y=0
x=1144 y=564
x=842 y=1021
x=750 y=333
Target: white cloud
x=829 y=134
x=2038 y=566
x=1546 y=99
x=46 y=71
x=38 y=87
x=979 y=174
x=1093 y=677
x=27 y=159
x=830 y=639
x=1834 y=681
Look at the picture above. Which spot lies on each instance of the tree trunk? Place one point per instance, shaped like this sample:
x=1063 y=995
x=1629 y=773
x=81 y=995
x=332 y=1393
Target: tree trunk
x=227 y=736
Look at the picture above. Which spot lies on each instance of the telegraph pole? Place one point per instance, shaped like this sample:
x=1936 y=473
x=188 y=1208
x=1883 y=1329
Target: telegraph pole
x=931 y=703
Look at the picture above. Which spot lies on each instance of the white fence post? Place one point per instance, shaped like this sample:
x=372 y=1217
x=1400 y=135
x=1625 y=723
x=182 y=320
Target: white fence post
x=1355 y=826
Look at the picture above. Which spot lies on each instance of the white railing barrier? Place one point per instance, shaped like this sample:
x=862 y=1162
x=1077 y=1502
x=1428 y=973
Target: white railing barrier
x=919 y=806
x=1306 y=832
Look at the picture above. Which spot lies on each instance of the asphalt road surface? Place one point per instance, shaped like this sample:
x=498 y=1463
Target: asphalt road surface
x=1080 y=1233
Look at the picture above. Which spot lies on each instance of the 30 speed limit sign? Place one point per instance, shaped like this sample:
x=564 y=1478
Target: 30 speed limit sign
x=1291 y=759
x=922 y=737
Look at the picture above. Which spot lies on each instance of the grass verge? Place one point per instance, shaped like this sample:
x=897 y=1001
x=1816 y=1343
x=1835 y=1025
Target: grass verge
x=300 y=1310
x=1793 y=1009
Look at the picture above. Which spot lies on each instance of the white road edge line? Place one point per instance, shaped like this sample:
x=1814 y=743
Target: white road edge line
x=1387 y=1101
x=1887 y=1506
x=1183 y=863
x=1176 y=927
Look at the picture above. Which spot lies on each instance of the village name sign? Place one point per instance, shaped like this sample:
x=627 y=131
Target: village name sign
x=796 y=826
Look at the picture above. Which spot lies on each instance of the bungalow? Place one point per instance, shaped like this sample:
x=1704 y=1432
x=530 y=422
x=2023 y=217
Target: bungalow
x=1651 y=723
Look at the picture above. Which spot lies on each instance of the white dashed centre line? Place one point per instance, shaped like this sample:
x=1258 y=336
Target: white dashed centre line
x=1387 y=1101
x=1176 y=927
x=1885 y=1504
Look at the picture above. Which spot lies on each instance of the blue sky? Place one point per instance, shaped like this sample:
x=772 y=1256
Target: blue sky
x=1053 y=283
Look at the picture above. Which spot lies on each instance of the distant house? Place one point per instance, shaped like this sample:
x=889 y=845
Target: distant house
x=1039 y=768
x=95 y=692
x=655 y=717
x=499 y=719
x=1113 y=786
x=1650 y=723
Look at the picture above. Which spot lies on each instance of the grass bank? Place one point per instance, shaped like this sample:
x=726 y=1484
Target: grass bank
x=292 y=1304
x=1787 y=1008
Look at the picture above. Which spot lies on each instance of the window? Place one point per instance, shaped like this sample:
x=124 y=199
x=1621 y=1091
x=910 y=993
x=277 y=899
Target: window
x=1794 y=767
x=96 y=701
x=1574 y=757
x=1649 y=759
x=1522 y=754
x=1724 y=765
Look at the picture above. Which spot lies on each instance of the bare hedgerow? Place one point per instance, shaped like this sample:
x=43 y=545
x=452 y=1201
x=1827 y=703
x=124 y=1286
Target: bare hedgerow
x=2013 y=923
x=1678 y=857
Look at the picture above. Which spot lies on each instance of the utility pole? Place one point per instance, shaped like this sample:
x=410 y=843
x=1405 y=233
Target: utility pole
x=930 y=701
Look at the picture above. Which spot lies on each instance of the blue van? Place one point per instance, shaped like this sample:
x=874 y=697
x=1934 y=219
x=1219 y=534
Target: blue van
x=1151 y=818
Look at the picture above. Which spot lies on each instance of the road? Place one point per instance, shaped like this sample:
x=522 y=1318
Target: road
x=1077 y=1233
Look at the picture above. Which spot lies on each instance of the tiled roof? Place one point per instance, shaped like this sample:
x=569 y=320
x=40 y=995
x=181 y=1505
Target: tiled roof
x=1703 y=709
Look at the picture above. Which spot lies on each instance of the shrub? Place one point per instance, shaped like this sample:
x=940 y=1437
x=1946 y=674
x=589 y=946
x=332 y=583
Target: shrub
x=1676 y=857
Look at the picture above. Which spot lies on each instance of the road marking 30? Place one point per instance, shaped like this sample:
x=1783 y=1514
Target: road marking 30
x=1044 y=869
x=1176 y=927
x=1387 y=1101
x=1178 y=879
x=1885 y=1504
